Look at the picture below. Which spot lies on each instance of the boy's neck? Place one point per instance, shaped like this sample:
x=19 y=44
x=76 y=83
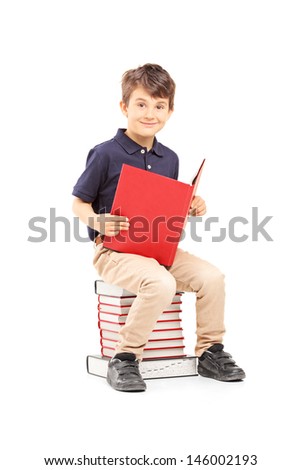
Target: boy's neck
x=140 y=140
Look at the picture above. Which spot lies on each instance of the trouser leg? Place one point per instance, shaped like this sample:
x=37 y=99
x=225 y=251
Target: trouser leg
x=196 y=275
x=153 y=285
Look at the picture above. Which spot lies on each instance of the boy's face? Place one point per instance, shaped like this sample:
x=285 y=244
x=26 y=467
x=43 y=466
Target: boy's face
x=146 y=115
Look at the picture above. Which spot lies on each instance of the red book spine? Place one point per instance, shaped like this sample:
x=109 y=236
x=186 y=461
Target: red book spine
x=120 y=316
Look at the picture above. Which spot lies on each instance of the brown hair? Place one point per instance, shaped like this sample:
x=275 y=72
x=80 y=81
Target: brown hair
x=156 y=81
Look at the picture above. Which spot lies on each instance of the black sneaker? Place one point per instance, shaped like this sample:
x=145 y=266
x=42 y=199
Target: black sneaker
x=215 y=363
x=124 y=375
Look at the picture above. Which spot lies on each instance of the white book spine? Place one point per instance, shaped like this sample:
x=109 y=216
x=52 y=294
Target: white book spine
x=155 y=334
x=153 y=344
x=150 y=369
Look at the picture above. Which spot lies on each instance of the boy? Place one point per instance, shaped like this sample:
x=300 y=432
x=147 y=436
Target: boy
x=148 y=102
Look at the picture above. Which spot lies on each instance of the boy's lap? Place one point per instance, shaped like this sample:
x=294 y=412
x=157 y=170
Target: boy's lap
x=126 y=269
x=129 y=270
x=190 y=271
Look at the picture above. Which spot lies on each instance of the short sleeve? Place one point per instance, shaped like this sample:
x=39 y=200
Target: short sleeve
x=176 y=173
x=94 y=175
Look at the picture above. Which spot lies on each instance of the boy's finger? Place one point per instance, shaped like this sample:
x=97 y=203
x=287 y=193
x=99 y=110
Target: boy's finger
x=118 y=225
x=116 y=218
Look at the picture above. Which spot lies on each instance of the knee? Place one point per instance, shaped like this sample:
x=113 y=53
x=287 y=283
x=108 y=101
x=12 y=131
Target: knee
x=215 y=276
x=214 y=280
x=164 y=287
x=167 y=288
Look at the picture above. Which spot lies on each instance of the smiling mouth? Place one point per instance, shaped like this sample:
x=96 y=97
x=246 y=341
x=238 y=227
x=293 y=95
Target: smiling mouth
x=150 y=124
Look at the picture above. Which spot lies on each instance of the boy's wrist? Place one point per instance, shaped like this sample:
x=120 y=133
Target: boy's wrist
x=100 y=223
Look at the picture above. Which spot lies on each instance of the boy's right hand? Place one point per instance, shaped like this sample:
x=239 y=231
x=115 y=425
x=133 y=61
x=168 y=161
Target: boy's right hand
x=111 y=225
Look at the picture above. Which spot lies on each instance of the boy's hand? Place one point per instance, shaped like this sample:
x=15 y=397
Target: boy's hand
x=111 y=225
x=198 y=206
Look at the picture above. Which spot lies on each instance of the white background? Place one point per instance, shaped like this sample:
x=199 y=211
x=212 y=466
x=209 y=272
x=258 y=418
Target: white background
x=238 y=101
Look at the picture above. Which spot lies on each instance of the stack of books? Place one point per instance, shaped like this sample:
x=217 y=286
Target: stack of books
x=114 y=303
x=164 y=353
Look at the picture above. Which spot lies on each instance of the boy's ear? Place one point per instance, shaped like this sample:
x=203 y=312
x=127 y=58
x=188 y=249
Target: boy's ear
x=124 y=108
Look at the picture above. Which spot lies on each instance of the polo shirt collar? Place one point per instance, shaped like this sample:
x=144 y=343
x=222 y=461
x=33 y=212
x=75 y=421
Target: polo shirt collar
x=130 y=146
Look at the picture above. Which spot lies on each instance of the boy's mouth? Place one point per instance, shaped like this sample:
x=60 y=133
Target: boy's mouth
x=148 y=124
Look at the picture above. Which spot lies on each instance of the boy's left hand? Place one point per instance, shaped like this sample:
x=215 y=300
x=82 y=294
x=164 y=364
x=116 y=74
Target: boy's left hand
x=198 y=206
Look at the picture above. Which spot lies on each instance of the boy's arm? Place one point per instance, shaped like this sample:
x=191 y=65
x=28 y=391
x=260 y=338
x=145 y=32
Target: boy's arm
x=106 y=224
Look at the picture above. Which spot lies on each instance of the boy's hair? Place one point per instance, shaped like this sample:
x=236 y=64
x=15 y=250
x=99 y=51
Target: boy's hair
x=156 y=81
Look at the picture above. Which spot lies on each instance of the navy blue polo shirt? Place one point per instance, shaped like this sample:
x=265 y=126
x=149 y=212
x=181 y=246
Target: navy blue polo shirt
x=98 y=182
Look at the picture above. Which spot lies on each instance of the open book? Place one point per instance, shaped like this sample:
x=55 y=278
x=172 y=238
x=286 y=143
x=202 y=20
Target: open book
x=157 y=208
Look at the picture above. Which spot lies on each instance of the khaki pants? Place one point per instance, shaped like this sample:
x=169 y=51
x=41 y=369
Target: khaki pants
x=155 y=287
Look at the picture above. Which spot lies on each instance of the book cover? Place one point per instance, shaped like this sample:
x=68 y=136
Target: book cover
x=160 y=325
x=116 y=301
x=157 y=208
x=103 y=288
x=116 y=295
x=122 y=316
x=156 y=333
x=124 y=309
x=156 y=353
x=151 y=344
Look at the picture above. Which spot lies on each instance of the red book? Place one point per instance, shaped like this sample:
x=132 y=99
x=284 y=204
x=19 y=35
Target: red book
x=120 y=321
x=122 y=317
x=124 y=309
x=151 y=344
x=157 y=208
x=156 y=335
x=155 y=353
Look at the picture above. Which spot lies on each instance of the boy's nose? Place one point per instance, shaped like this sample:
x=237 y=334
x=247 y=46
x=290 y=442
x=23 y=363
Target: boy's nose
x=149 y=113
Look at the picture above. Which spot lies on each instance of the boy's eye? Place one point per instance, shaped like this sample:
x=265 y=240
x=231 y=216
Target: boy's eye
x=141 y=105
x=160 y=106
